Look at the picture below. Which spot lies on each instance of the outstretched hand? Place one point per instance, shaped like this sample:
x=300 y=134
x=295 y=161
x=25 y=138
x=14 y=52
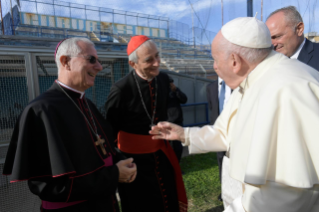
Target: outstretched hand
x=168 y=131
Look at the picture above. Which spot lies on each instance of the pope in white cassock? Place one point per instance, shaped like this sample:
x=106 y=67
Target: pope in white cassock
x=269 y=127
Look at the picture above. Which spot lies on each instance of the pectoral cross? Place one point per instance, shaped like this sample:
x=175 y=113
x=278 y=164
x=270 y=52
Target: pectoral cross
x=100 y=143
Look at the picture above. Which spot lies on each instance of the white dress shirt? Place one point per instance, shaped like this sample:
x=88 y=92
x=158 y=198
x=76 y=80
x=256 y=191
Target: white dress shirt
x=296 y=54
x=227 y=90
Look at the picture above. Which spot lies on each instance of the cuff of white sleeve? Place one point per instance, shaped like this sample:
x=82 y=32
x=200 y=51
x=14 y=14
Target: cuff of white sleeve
x=236 y=206
x=186 y=136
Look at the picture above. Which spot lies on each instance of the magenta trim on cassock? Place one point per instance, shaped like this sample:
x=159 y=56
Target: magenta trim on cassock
x=56 y=205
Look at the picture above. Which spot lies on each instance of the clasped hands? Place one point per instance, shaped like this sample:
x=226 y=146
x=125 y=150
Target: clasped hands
x=127 y=170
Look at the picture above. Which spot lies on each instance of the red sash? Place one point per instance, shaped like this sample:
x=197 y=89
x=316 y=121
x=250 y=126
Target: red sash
x=143 y=144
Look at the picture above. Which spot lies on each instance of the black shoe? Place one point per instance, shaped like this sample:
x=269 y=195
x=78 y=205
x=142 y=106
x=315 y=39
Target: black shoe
x=220 y=197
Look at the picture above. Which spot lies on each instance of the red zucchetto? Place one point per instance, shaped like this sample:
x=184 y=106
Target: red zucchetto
x=135 y=42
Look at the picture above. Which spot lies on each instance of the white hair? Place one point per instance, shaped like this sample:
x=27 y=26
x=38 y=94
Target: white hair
x=70 y=47
x=252 y=55
x=133 y=56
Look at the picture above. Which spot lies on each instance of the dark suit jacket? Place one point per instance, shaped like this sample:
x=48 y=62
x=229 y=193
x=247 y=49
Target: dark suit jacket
x=309 y=54
x=212 y=99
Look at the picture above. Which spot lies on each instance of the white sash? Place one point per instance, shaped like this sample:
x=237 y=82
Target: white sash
x=231 y=188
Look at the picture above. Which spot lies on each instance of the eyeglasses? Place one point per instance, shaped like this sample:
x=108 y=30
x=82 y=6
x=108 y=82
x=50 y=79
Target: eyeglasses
x=90 y=58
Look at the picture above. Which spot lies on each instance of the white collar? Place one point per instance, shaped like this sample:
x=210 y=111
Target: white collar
x=296 y=54
x=72 y=89
x=148 y=80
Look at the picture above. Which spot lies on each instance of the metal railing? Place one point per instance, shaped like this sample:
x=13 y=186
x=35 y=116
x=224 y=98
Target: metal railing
x=206 y=114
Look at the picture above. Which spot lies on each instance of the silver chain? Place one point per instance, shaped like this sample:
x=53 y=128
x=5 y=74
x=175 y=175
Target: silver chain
x=139 y=91
x=94 y=131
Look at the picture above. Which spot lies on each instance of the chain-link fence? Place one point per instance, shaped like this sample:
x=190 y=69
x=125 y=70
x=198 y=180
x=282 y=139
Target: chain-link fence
x=26 y=72
x=15 y=89
x=14 y=97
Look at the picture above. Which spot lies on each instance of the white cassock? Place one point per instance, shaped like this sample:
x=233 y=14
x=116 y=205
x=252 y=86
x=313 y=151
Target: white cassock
x=270 y=130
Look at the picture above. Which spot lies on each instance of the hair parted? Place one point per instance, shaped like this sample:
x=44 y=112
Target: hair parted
x=252 y=55
x=133 y=56
x=292 y=15
x=70 y=47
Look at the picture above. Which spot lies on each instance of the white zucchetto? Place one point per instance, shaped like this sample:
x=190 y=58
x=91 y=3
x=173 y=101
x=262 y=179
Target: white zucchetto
x=247 y=32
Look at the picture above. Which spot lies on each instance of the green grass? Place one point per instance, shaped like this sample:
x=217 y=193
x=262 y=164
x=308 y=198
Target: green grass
x=202 y=184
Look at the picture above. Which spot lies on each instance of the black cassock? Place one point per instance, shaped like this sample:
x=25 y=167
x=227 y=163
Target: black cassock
x=125 y=112
x=53 y=148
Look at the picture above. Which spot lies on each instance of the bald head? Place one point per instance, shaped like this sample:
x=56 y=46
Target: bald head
x=286 y=29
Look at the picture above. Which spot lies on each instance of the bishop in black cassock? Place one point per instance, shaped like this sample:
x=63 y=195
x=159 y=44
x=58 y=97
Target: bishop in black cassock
x=55 y=146
x=134 y=103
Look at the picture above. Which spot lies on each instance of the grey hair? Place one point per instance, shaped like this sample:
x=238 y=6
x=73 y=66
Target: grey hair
x=70 y=47
x=291 y=14
x=252 y=55
x=133 y=56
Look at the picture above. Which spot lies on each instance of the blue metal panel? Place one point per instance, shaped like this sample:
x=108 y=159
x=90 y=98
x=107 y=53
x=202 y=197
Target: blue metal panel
x=48 y=20
x=249 y=8
x=77 y=23
x=134 y=30
x=22 y=17
x=84 y=25
x=39 y=20
x=114 y=28
x=56 y=21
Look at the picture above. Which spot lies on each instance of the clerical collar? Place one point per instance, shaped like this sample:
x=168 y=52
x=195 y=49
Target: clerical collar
x=138 y=74
x=296 y=54
x=72 y=89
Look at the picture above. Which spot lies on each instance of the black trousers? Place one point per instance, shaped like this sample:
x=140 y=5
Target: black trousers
x=178 y=149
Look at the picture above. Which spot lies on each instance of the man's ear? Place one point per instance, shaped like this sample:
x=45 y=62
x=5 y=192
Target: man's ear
x=132 y=64
x=300 y=28
x=64 y=60
x=236 y=63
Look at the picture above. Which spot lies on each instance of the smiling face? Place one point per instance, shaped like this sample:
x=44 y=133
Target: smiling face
x=148 y=62
x=285 y=39
x=82 y=73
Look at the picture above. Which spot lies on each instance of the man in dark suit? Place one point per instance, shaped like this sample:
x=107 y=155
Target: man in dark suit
x=218 y=94
x=287 y=34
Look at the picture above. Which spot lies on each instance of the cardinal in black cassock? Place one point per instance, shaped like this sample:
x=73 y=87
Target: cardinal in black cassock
x=63 y=146
x=134 y=104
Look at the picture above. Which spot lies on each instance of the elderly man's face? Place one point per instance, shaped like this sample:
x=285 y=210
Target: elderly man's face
x=222 y=64
x=232 y=68
x=285 y=39
x=148 y=61
x=82 y=70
